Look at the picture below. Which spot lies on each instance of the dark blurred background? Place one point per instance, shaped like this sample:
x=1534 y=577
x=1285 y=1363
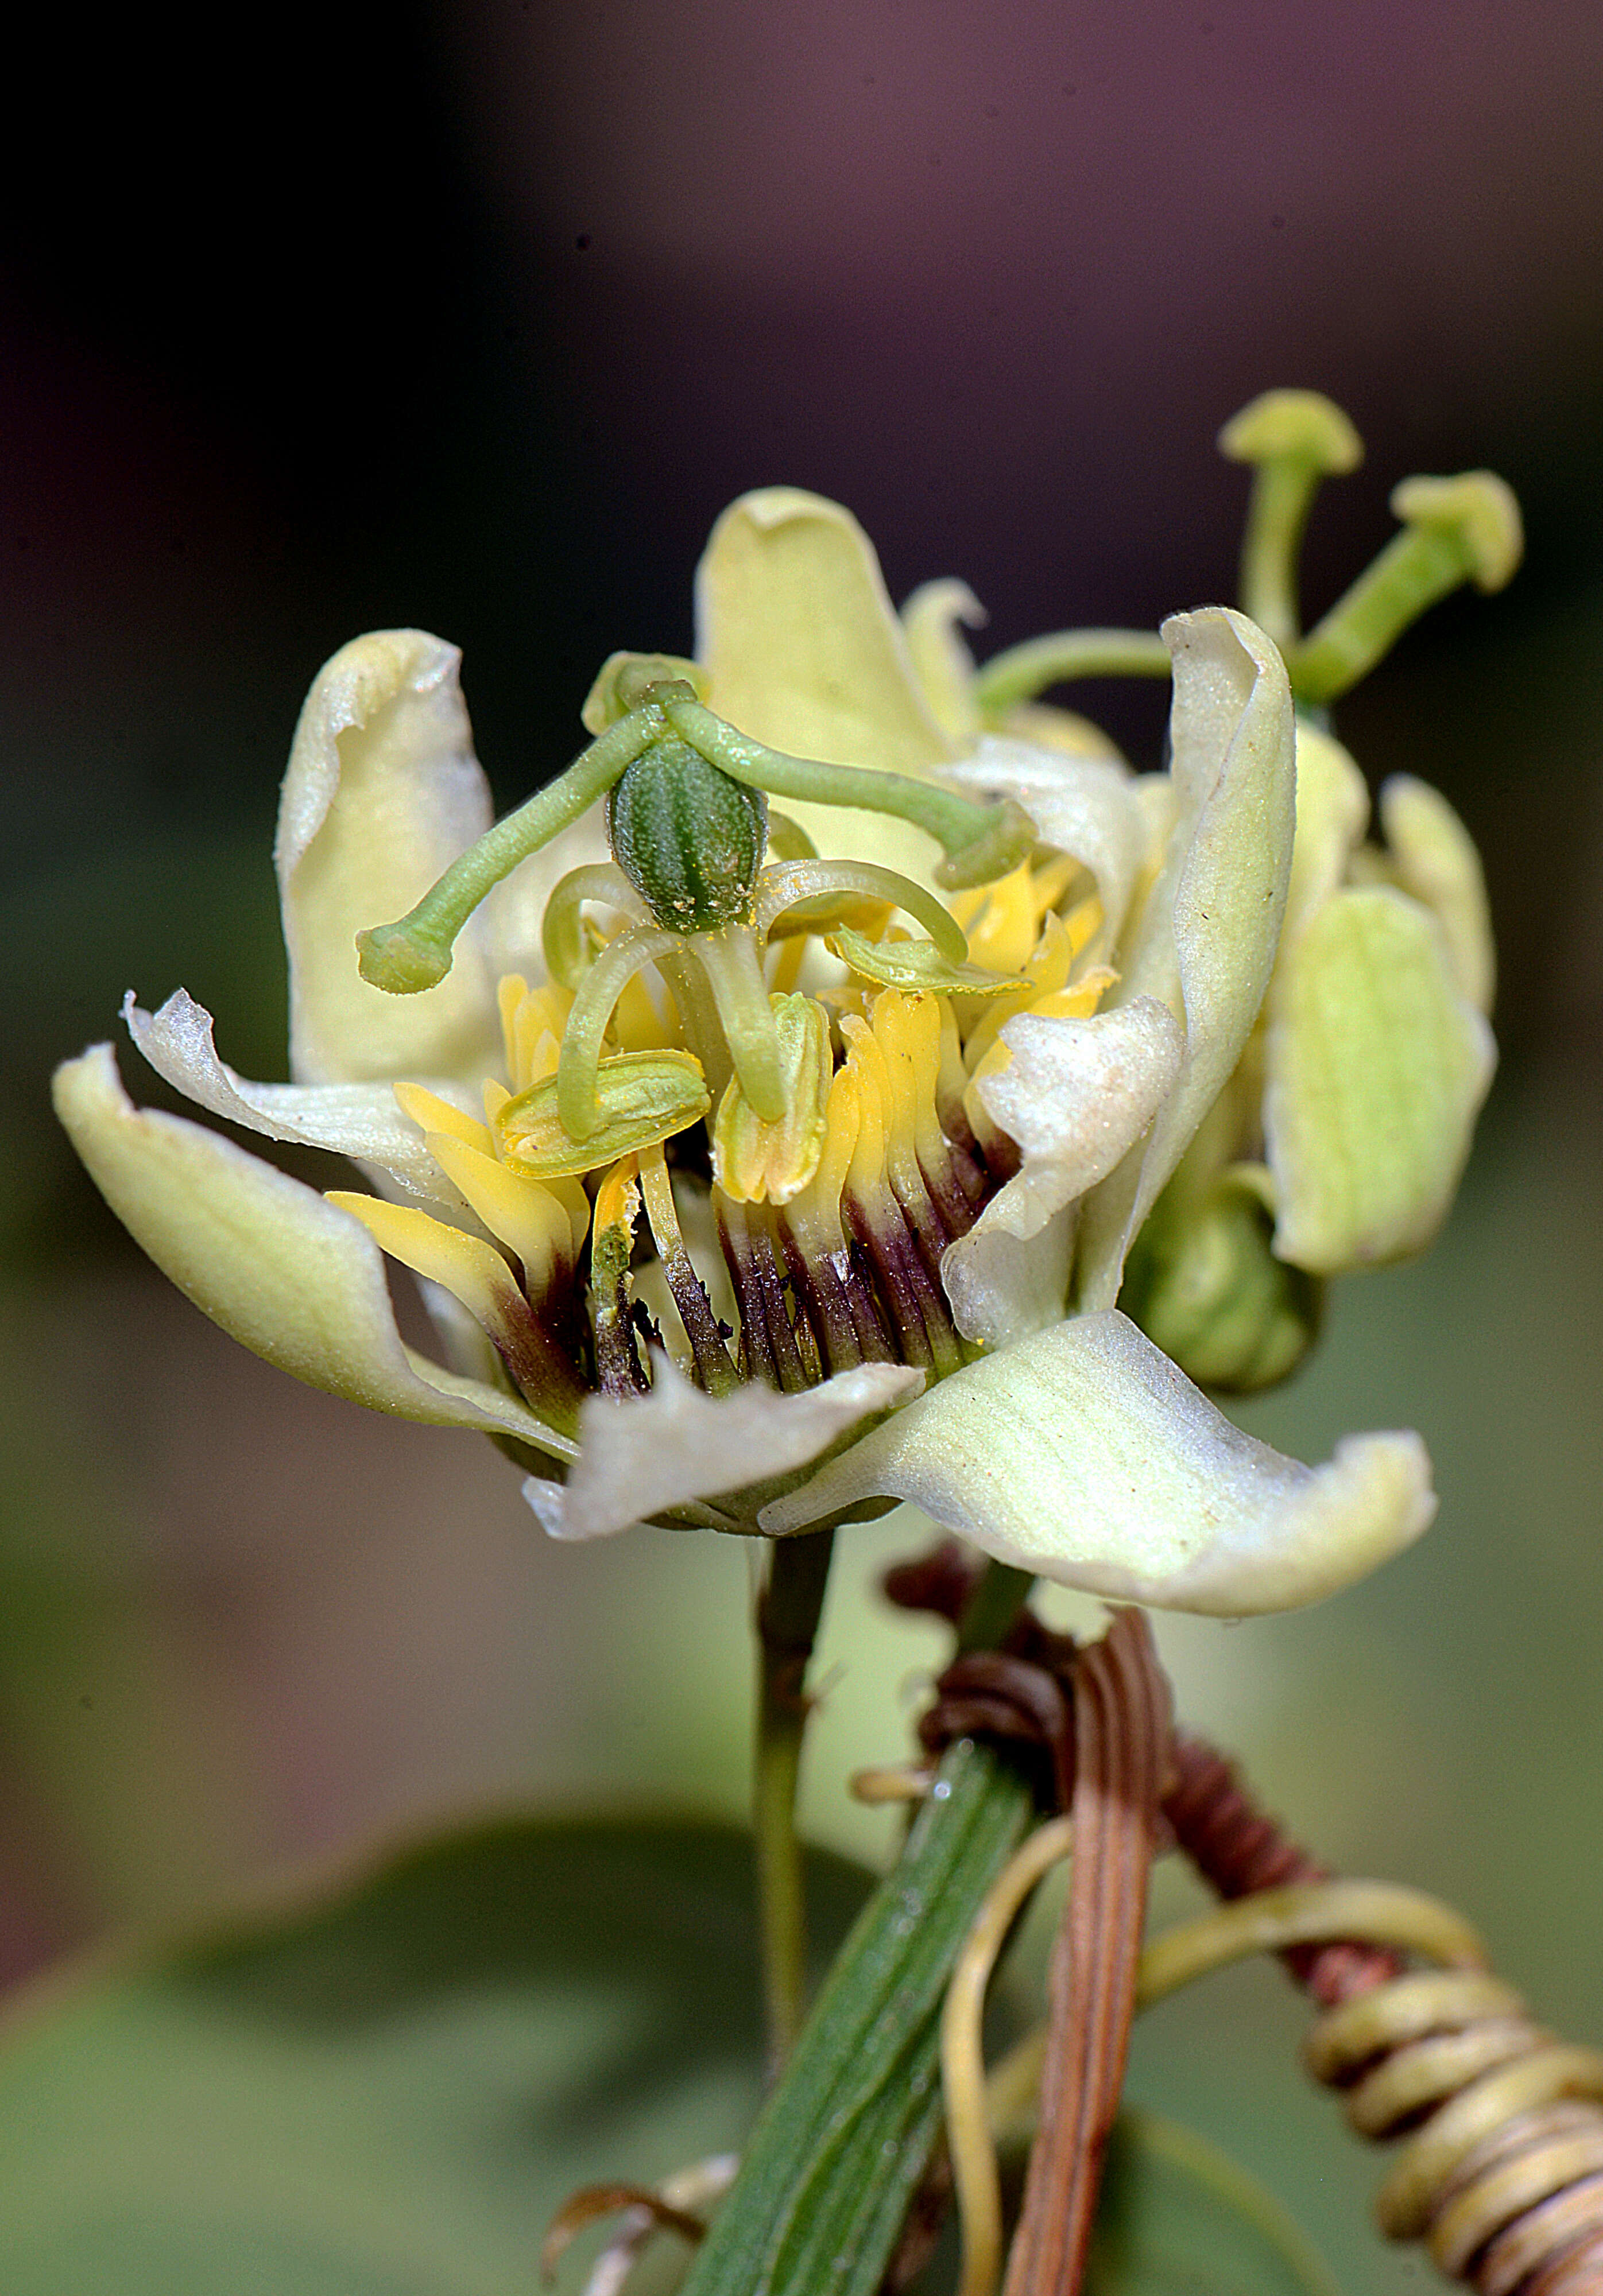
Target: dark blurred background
x=474 y=317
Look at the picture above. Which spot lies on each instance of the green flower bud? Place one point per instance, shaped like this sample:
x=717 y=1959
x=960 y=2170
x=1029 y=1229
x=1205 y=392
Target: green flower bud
x=688 y=837
x=1203 y=1284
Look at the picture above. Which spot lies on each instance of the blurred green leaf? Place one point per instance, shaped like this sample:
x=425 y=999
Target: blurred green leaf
x=1180 y=2217
x=388 y=2090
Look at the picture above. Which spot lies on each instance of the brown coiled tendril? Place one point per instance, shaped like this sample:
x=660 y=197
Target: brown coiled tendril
x=1501 y=2173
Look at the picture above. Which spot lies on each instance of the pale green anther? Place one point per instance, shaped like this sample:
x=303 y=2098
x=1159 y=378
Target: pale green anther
x=729 y=963
x=1022 y=671
x=792 y=882
x=415 y=951
x=1455 y=530
x=755 y=1160
x=624 y=682
x=641 y=1098
x=579 y=1060
x=917 y=967
x=980 y=841
x=562 y=928
x=1293 y=439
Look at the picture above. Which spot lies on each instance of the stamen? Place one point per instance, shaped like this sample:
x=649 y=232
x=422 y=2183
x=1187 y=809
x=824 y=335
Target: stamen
x=791 y=883
x=561 y=929
x=713 y=1369
x=754 y=1162
x=602 y=987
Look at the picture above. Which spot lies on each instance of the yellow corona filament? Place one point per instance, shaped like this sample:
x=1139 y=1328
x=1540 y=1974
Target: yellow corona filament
x=534 y=1221
x=472 y=1269
x=910 y=1029
x=434 y=1115
x=532 y=1020
x=814 y=1217
x=1003 y=921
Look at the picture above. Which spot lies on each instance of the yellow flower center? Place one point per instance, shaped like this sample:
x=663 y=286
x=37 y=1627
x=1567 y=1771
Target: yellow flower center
x=783 y=1229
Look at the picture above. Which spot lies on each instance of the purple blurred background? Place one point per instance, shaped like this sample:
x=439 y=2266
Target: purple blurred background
x=474 y=317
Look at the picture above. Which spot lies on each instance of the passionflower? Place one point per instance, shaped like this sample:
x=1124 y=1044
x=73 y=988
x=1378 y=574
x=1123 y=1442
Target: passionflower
x=761 y=1167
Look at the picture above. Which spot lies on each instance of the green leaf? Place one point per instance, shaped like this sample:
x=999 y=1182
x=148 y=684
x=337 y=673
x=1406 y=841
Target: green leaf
x=387 y=2090
x=1180 y=2217
x=825 y=2180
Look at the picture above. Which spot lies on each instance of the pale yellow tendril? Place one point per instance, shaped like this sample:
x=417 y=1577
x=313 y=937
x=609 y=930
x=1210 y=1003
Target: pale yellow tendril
x=968 y=2134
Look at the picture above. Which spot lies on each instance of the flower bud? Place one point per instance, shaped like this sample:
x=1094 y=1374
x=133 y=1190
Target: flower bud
x=1205 y=1285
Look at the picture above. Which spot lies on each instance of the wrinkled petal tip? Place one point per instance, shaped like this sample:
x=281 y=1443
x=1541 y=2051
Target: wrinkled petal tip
x=642 y=1457
x=1085 y=1455
x=1373 y=1498
x=287 y=1274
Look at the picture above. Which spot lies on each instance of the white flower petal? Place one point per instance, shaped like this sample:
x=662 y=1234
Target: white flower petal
x=1206 y=939
x=667 y=1449
x=358 y=1120
x=932 y=622
x=382 y=793
x=1376 y=1066
x=1435 y=859
x=1087 y=807
x=1333 y=812
x=293 y=1278
x=1085 y=1455
x=1076 y=1096
x=803 y=650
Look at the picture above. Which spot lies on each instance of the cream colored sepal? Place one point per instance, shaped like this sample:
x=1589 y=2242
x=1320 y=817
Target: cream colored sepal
x=287 y=1274
x=1075 y=1097
x=358 y=1120
x=802 y=649
x=1377 y=1064
x=1084 y=1456
x=1205 y=940
x=677 y=1448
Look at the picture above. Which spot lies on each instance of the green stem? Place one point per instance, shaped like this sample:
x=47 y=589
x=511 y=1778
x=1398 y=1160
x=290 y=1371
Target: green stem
x=415 y=951
x=980 y=841
x=1417 y=567
x=1058 y=659
x=993 y=1606
x=828 y=2171
x=1283 y=490
x=787 y=1624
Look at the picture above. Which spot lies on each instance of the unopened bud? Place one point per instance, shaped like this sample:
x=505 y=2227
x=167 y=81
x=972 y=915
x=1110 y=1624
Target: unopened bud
x=1205 y=1285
